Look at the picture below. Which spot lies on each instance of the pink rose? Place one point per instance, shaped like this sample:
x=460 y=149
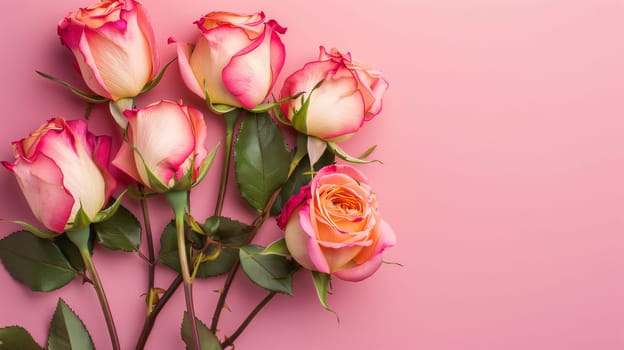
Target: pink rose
x=236 y=58
x=62 y=168
x=349 y=95
x=333 y=226
x=114 y=47
x=165 y=147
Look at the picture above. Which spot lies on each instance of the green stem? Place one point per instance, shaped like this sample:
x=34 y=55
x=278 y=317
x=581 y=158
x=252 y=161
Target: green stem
x=150 y=250
x=299 y=154
x=230 y=119
x=229 y=341
x=150 y=320
x=223 y=295
x=80 y=237
x=178 y=201
x=230 y=277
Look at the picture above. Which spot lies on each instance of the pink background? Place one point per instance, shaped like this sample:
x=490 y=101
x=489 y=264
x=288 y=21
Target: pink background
x=503 y=176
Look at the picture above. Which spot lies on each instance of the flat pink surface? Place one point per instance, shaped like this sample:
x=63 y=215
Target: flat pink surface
x=502 y=138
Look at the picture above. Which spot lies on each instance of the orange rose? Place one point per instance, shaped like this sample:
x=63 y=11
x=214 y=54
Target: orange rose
x=333 y=226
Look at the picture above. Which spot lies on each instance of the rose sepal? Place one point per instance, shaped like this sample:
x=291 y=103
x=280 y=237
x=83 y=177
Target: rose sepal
x=187 y=180
x=206 y=165
x=322 y=282
x=91 y=98
x=152 y=84
x=35 y=230
x=81 y=220
x=107 y=213
x=153 y=181
x=217 y=108
x=340 y=153
x=299 y=119
x=265 y=107
x=277 y=248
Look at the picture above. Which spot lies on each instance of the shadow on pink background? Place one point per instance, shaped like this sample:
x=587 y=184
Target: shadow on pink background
x=503 y=176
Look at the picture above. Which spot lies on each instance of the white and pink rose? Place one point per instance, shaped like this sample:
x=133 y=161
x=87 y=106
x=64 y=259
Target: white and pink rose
x=342 y=94
x=113 y=45
x=62 y=168
x=165 y=147
x=235 y=60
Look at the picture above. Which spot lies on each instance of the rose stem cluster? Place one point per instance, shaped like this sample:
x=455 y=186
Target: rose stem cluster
x=244 y=80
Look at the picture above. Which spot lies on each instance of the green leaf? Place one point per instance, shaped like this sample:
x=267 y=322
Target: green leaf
x=227 y=231
x=70 y=251
x=271 y=272
x=261 y=159
x=222 y=264
x=67 y=332
x=122 y=231
x=36 y=262
x=301 y=176
x=92 y=98
x=207 y=340
x=321 y=282
x=17 y=338
x=168 y=255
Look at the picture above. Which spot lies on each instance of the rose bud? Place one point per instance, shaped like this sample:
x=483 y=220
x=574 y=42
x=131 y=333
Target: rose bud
x=165 y=147
x=235 y=60
x=342 y=93
x=114 y=47
x=333 y=226
x=62 y=168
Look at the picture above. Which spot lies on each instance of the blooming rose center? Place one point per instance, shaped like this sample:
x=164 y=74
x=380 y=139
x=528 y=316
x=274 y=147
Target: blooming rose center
x=342 y=206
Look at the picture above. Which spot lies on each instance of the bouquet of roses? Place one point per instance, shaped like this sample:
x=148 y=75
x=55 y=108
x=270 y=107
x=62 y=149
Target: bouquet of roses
x=75 y=182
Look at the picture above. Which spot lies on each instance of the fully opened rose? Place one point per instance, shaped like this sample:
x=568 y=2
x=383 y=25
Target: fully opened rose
x=333 y=225
x=342 y=94
x=114 y=47
x=62 y=168
x=165 y=147
x=235 y=60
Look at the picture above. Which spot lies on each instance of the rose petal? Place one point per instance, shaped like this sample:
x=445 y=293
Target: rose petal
x=41 y=182
x=251 y=73
x=336 y=107
x=124 y=161
x=81 y=177
x=191 y=82
x=162 y=152
x=213 y=52
x=297 y=242
x=360 y=272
